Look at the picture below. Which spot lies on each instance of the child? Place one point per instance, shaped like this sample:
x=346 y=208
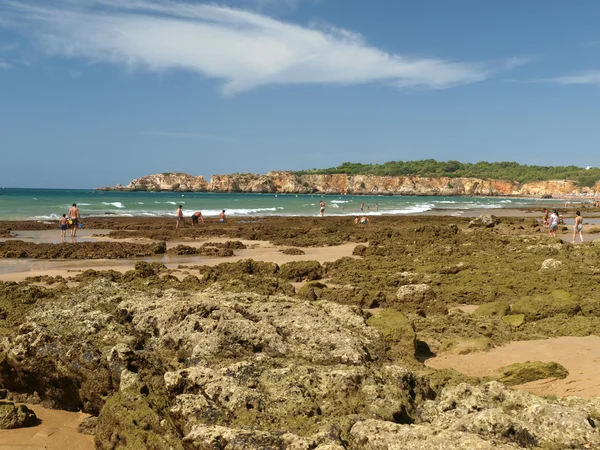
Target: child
x=63 y=226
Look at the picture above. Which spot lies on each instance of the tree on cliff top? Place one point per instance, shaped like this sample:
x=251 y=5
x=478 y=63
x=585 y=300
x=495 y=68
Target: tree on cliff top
x=506 y=170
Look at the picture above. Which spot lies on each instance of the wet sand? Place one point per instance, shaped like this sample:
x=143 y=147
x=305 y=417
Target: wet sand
x=57 y=431
x=579 y=355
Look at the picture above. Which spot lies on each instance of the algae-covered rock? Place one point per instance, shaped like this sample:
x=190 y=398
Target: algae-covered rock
x=88 y=426
x=464 y=346
x=500 y=308
x=515 y=320
x=418 y=298
x=311 y=290
x=520 y=373
x=301 y=270
x=12 y=416
x=360 y=250
x=293 y=251
x=541 y=306
x=397 y=330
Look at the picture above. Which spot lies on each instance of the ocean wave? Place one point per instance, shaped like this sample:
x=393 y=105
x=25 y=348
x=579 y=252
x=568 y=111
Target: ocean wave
x=84 y=204
x=339 y=201
x=413 y=209
x=52 y=216
x=115 y=204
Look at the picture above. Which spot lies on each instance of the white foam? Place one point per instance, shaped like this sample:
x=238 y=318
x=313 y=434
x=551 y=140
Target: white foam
x=411 y=209
x=115 y=204
x=84 y=204
x=339 y=201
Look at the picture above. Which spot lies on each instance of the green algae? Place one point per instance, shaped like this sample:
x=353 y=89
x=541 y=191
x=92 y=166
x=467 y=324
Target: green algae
x=515 y=320
x=501 y=308
x=397 y=330
x=520 y=373
x=542 y=306
x=301 y=270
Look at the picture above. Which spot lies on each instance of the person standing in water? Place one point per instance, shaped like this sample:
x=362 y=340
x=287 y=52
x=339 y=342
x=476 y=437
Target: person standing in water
x=63 y=226
x=179 y=214
x=553 y=225
x=321 y=208
x=578 y=227
x=222 y=218
x=74 y=218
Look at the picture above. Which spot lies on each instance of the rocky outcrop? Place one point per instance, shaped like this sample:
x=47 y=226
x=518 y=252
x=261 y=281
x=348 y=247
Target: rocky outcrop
x=12 y=416
x=286 y=182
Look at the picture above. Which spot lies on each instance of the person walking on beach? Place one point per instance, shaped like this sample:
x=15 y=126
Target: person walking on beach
x=74 y=218
x=197 y=215
x=578 y=227
x=63 y=226
x=553 y=226
x=222 y=218
x=179 y=215
x=321 y=208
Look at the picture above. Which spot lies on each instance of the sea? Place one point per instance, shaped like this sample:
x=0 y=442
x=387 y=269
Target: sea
x=50 y=204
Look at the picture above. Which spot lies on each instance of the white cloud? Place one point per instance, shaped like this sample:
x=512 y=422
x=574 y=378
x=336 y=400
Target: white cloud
x=177 y=134
x=591 y=77
x=244 y=49
x=4 y=64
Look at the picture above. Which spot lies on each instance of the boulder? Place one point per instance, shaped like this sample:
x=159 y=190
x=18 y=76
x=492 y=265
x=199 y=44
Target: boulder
x=484 y=221
x=542 y=306
x=12 y=416
x=551 y=263
x=397 y=330
x=520 y=373
x=418 y=298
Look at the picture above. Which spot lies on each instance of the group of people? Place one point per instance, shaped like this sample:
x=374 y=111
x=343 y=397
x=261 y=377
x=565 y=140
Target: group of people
x=72 y=221
x=197 y=216
x=322 y=206
x=554 y=219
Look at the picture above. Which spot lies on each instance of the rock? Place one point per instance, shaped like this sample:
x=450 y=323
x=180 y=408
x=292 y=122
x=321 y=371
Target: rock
x=12 y=416
x=292 y=251
x=418 y=298
x=542 y=306
x=464 y=346
x=88 y=426
x=301 y=270
x=360 y=250
x=520 y=373
x=551 y=264
x=495 y=413
x=515 y=320
x=311 y=290
x=500 y=308
x=484 y=220
x=397 y=331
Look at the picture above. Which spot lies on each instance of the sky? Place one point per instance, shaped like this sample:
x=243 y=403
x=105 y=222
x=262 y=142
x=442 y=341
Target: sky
x=98 y=92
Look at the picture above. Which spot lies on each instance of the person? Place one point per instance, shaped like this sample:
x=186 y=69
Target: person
x=74 y=218
x=578 y=227
x=362 y=207
x=322 y=207
x=222 y=218
x=179 y=214
x=63 y=226
x=377 y=207
x=546 y=215
x=363 y=220
x=553 y=225
x=197 y=215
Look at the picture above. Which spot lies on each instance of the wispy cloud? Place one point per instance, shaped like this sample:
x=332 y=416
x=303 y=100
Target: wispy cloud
x=591 y=77
x=202 y=136
x=244 y=49
x=4 y=64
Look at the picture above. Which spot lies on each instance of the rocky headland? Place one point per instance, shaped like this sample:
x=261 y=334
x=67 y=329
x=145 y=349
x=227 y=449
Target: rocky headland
x=304 y=355
x=286 y=182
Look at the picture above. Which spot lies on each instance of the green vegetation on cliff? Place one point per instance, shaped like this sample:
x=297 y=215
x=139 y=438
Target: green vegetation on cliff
x=508 y=171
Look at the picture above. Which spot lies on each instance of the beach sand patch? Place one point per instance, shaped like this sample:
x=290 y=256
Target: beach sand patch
x=579 y=355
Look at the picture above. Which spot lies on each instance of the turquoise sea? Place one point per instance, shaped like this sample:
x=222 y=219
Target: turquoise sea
x=49 y=204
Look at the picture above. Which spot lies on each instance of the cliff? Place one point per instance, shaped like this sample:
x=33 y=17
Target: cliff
x=285 y=182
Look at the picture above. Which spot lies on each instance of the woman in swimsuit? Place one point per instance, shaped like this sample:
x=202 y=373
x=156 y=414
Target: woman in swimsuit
x=578 y=227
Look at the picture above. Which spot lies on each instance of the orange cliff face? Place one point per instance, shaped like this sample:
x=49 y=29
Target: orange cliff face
x=285 y=182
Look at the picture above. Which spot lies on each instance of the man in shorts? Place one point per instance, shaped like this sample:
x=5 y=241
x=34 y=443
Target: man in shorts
x=222 y=218
x=578 y=227
x=197 y=215
x=322 y=207
x=74 y=219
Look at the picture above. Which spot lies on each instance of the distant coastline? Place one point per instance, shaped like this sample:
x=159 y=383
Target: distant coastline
x=279 y=182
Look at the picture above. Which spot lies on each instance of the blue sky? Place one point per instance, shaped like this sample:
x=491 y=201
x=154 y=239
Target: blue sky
x=97 y=92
